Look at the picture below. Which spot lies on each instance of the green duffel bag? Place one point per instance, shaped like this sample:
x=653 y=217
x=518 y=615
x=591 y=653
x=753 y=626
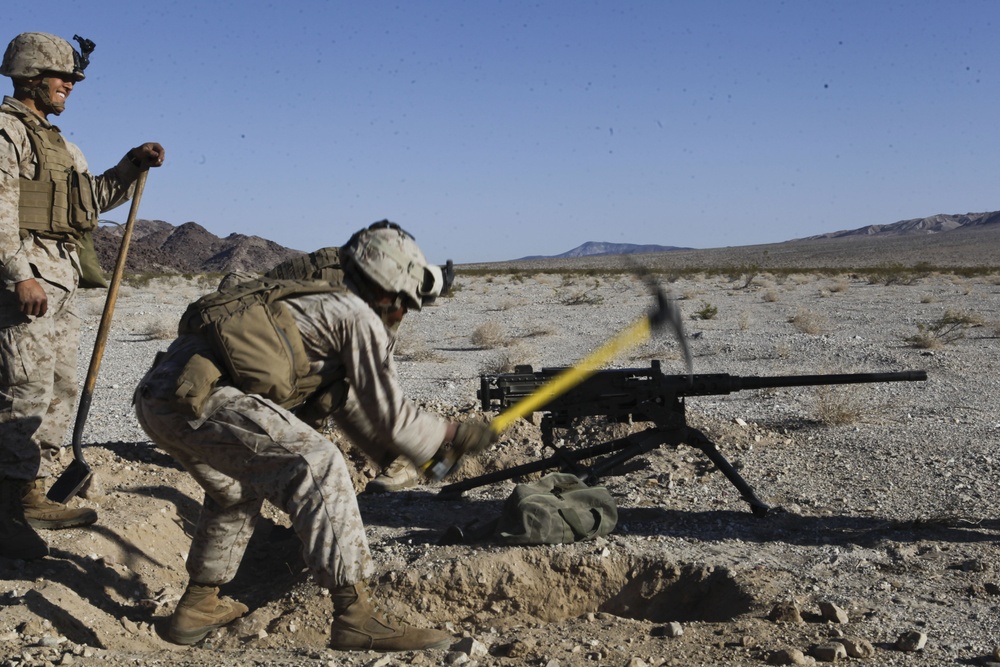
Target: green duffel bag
x=557 y=509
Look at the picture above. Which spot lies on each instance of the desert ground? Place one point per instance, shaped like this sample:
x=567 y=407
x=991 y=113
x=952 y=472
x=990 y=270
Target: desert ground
x=881 y=549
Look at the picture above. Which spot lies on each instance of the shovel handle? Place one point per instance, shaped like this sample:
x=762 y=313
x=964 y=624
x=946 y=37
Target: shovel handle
x=105 y=326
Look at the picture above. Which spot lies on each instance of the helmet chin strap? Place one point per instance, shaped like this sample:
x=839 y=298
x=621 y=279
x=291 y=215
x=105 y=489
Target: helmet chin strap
x=39 y=92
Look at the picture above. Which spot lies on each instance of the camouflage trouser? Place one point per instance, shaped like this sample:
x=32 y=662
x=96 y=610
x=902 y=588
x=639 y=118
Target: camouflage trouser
x=250 y=450
x=37 y=383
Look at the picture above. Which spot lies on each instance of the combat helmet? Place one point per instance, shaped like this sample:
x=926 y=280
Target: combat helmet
x=31 y=54
x=388 y=256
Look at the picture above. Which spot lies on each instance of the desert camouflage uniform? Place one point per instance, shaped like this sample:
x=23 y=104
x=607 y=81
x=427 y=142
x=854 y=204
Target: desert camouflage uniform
x=245 y=449
x=38 y=355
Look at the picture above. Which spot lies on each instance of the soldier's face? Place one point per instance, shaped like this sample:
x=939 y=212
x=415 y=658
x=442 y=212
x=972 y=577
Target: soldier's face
x=58 y=90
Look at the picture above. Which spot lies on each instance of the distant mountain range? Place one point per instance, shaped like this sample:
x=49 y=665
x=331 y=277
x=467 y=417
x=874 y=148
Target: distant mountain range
x=935 y=224
x=159 y=247
x=597 y=249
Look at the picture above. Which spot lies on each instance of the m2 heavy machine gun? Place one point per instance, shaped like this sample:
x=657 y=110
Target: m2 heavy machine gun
x=639 y=395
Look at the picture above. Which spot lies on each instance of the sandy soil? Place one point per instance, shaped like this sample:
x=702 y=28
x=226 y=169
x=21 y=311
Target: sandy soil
x=887 y=494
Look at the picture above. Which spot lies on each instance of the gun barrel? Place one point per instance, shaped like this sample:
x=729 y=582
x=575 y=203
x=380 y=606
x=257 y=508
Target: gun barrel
x=704 y=385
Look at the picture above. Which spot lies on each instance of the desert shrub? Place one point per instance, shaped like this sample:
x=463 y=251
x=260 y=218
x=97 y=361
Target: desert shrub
x=586 y=298
x=838 y=286
x=504 y=361
x=808 y=321
x=746 y=320
x=770 y=295
x=838 y=406
x=949 y=328
x=161 y=328
x=415 y=349
x=928 y=298
x=489 y=334
x=706 y=312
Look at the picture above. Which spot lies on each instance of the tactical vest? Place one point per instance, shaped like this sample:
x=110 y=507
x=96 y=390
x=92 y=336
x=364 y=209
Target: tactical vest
x=59 y=202
x=254 y=336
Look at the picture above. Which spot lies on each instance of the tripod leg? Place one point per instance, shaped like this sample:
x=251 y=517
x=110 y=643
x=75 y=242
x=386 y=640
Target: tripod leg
x=696 y=438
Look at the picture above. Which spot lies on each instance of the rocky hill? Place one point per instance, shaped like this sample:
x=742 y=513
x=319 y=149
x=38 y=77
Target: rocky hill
x=944 y=240
x=159 y=247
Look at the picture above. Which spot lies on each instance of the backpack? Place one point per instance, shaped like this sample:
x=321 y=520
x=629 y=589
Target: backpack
x=323 y=264
x=556 y=509
x=256 y=340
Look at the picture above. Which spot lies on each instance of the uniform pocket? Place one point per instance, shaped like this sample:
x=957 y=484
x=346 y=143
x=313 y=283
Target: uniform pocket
x=16 y=365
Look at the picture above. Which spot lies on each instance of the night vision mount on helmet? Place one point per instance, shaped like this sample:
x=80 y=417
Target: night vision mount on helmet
x=32 y=54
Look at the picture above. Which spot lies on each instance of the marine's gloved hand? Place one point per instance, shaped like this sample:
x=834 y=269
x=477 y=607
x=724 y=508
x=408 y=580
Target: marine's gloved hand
x=148 y=155
x=473 y=436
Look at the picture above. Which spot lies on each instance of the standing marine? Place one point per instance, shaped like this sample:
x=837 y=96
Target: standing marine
x=49 y=207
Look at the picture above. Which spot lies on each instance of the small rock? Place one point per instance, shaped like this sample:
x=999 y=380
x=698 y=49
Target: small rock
x=833 y=613
x=673 y=629
x=996 y=654
x=911 y=641
x=789 y=656
x=635 y=662
x=857 y=648
x=786 y=612
x=831 y=652
x=469 y=646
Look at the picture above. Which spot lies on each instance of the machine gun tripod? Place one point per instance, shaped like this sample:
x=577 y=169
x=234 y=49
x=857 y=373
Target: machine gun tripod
x=639 y=395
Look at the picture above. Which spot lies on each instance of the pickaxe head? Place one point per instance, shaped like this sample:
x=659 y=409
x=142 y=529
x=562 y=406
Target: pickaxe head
x=665 y=314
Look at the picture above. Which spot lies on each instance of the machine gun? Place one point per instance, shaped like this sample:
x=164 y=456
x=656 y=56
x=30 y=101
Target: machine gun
x=639 y=395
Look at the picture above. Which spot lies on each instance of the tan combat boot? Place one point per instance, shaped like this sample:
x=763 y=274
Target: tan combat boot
x=359 y=625
x=398 y=475
x=17 y=539
x=50 y=515
x=199 y=611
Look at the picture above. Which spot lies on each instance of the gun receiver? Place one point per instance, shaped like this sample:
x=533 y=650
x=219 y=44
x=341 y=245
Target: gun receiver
x=639 y=395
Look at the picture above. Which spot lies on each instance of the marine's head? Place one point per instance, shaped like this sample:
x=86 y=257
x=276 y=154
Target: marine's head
x=385 y=256
x=44 y=68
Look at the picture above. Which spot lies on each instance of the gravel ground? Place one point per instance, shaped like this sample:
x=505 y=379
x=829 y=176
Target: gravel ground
x=886 y=493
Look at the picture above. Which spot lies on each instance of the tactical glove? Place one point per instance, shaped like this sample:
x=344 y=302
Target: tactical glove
x=471 y=437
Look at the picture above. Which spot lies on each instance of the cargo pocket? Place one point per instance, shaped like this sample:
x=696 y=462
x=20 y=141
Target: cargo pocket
x=194 y=384
x=17 y=366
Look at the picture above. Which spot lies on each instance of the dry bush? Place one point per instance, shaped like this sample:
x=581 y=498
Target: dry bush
x=504 y=361
x=808 y=321
x=746 y=320
x=489 y=335
x=509 y=304
x=838 y=406
x=161 y=328
x=928 y=298
x=770 y=295
x=706 y=312
x=838 y=286
x=689 y=294
x=415 y=349
x=782 y=351
x=949 y=328
x=586 y=298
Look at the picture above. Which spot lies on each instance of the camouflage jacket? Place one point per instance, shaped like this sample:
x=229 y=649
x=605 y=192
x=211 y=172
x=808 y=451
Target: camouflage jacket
x=56 y=261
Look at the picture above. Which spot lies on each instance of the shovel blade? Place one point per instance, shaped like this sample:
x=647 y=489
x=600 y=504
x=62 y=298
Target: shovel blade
x=70 y=482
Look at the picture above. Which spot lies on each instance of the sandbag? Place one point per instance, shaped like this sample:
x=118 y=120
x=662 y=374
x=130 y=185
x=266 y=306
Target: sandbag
x=558 y=508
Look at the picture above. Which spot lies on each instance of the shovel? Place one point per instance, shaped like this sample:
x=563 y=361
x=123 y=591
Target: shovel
x=78 y=472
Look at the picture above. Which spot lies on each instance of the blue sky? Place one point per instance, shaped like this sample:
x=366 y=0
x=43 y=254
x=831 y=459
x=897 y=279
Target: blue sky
x=494 y=130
